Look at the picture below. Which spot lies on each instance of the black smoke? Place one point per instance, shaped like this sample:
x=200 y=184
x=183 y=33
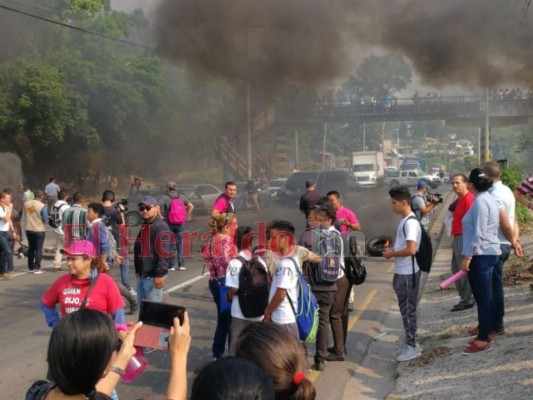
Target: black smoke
x=472 y=42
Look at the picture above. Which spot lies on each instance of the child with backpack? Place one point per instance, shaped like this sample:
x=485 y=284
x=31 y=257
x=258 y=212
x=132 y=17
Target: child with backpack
x=406 y=281
x=284 y=296
x=249 y=282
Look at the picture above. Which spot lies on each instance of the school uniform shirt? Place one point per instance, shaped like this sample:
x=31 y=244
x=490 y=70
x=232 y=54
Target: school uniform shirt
x=285 y=277
x=232 y=281
x=413 y=232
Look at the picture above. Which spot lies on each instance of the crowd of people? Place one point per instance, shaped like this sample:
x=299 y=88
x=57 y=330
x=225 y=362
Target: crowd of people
x=258 y=329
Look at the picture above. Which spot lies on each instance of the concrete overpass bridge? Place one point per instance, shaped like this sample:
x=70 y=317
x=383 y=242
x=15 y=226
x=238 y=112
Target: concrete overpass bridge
x=455 y=110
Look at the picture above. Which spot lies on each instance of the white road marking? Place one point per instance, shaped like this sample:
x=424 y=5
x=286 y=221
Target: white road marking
x=186 y=283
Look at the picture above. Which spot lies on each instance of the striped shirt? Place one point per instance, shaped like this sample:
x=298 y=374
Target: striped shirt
x=75 y=224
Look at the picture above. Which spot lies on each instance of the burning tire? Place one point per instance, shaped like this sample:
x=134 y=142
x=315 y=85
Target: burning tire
x=376 y=245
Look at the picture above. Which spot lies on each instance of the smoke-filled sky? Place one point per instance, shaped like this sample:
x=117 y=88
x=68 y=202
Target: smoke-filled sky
x=448 y=42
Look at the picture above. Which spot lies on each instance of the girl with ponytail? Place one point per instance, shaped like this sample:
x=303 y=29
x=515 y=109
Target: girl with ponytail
x=281 y=356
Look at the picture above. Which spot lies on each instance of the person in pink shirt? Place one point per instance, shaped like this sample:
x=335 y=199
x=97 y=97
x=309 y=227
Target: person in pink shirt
x=224 y=202
x=345 y=217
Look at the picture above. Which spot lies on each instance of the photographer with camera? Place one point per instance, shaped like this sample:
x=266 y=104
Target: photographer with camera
x=422 y=203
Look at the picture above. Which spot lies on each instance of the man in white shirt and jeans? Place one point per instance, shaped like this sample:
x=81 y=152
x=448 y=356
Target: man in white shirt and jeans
x=51 y=191
x=405 y=284
x=285 y=277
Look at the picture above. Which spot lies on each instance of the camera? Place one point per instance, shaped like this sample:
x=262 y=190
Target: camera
x=435 y=198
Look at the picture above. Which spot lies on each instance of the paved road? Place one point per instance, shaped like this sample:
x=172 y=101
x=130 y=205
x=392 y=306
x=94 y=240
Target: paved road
x=24 y=334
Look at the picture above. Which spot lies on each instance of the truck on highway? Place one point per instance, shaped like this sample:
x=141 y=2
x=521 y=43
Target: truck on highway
x=367 y=169
x=411 y=178
x=414 y=162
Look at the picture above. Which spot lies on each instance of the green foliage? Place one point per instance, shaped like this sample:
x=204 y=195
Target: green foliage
x=512 y=176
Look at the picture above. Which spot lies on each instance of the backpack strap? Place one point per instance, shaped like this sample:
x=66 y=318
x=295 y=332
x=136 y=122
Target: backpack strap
x=405 y=236
x=91 y=286
x=299 y=274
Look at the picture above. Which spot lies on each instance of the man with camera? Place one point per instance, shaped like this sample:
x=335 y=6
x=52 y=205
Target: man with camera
x=422 y=207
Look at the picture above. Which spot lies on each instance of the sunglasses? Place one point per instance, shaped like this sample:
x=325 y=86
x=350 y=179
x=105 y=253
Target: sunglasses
x=145 y=208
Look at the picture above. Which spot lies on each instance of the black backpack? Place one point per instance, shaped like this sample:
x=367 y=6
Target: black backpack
x=424 y=255
x=54 y=219
x=254 y=287
x=354 y=267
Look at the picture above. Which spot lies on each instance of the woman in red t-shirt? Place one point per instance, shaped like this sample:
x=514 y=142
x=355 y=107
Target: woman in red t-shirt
x=82 y=287
x=217 y=253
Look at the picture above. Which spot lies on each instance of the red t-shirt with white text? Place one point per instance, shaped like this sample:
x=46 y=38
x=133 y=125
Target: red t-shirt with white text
x=70 y=291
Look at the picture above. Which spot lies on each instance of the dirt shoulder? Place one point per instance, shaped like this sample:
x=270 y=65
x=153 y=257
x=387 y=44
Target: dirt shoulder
x=506 y=372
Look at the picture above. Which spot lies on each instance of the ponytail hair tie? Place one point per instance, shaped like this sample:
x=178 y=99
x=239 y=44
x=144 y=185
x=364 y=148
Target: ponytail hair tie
x=298 y=378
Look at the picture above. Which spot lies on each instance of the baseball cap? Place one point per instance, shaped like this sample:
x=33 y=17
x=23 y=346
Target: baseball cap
x=80 y=248
x=421 y=185
x=171 y=185
x=148 y=201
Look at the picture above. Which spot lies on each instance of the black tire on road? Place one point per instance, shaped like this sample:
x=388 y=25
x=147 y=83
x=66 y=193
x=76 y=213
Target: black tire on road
x=376 y=245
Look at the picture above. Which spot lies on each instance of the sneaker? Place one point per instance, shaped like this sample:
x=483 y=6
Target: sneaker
x=172 y=269
x=499 y=331
x=334 y=357
x=320 y=365
x=148 y=350
x=491 y=339
x=181 y=268
x=134 y=307
x=6 y=276
x=473 y=347
x=401 y=349
x=38 y=271
x=474 y=331
x=410 y=353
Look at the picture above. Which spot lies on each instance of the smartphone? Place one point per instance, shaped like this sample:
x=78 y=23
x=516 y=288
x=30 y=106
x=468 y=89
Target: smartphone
x=160 y=314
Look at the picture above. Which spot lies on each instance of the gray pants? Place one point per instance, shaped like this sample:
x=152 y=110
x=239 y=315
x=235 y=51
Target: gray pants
x=462 y=285
x=407 y=294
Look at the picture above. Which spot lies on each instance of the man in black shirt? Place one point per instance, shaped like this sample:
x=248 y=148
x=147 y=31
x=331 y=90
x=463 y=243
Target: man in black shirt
x=309 y=199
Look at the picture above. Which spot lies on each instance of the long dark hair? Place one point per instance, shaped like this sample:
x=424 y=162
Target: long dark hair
x=232 y=378
x=281 y=355
x=79 y=351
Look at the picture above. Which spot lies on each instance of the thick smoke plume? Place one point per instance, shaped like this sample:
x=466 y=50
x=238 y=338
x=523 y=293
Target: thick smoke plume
x=471 y=42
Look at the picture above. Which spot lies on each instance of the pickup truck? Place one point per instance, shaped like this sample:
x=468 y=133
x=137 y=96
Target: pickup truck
x=411 y=178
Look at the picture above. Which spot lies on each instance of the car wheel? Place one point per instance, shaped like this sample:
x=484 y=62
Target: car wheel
x=434 y=185
x=376 y=245
x=133 y=218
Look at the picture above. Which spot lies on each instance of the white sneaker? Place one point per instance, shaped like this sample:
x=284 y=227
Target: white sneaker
x=410 y=353
x=181 y=268
x=172 y=269
x=401 y=348
x=38 y=271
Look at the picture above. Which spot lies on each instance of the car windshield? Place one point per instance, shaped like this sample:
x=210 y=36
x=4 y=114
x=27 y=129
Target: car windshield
x=363 y=167
x=297 y=180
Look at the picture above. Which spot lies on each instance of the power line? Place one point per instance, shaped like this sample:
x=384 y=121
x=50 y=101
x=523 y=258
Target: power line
x=76 y=28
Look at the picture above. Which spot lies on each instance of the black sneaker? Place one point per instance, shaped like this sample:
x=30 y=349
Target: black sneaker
x=320 y=365
x=335 y=357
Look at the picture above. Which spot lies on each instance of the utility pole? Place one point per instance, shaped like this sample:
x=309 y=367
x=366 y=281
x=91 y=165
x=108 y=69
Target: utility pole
x=364 y=136
x=486 y=150
x=296 y=150
x=324 y=146
x=249 y=136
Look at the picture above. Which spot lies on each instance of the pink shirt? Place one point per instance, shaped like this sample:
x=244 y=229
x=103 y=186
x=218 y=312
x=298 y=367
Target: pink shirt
x=344 y=212
x=221 y=204
x=217 y=253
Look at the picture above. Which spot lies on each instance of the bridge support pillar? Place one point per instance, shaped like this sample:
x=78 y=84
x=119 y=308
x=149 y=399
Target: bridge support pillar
x=484 y=144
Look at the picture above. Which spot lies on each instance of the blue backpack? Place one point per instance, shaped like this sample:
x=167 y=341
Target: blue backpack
x=327 y=244
x=307 y=312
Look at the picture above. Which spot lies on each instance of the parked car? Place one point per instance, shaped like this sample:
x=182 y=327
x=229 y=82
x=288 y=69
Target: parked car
x=274 y=185
x=325 y=182
x=208 y=192
x=132 y=215
x=194 y=197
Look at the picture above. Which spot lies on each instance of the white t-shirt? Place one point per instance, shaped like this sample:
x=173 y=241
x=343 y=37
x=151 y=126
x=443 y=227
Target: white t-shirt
x=4 y=226
x=61 y=206
x=285 y=277
x=506 y=200
x=413 y=232
x=232 y=280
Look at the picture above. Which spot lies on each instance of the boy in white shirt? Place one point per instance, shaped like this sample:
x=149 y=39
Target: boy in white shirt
x=238 y=320
x=406 y=284
x=285 y=277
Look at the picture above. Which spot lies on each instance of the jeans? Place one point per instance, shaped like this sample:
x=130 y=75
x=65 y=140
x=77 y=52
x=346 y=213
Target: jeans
x=177 y=230
x=222 y=331
x=6 y=252
x=325 y=302
x=147 y=291
x=124 y=271
x=497 y=287
x=35 y=249
x=480 y=278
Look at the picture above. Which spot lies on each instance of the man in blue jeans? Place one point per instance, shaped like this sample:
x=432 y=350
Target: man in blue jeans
x=176 y=228
x=6 y=236
x=507 y=237
x=151 y=252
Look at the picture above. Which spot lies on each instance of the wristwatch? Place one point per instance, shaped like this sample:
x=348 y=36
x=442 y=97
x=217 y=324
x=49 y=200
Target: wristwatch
x=117 y=370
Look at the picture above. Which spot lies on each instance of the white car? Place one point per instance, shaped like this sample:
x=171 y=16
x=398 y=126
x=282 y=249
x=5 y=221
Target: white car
x=208 y=192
